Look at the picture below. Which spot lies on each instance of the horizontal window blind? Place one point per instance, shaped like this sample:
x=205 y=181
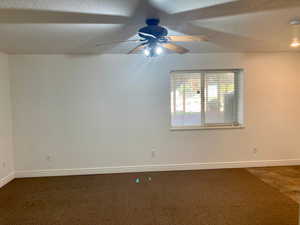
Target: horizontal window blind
x=205 y=98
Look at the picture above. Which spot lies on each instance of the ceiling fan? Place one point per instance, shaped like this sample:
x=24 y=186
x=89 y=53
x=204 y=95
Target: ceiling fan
x=154 y=38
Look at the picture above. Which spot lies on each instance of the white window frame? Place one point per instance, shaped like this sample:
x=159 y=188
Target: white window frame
x=239 y=78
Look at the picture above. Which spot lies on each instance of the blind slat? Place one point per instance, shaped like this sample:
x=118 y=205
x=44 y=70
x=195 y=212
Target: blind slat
x=205 y=97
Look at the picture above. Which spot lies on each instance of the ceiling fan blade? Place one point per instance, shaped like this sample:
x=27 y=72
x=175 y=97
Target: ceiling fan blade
x=236 y=7
x=187 y=38
x=116 y=42
x=23 y=16
x=175 y=48
x=227 y=41
x=137 y=48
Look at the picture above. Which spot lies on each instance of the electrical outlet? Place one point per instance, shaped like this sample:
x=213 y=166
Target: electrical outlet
x=255 y=150
x=153 y=152
x=3 y=164
x=48 y=158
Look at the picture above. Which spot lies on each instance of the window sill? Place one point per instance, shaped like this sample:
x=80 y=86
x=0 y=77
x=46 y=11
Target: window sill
x=205 y=128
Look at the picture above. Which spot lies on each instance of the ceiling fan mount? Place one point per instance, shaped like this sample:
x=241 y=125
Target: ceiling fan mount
x=152 y=30
x=152 y=21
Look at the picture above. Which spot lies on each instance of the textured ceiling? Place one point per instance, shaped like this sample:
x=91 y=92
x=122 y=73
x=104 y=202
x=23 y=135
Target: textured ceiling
x=64 y=26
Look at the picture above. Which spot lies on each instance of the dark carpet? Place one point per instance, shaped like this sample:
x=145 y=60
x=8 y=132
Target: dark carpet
x=206 y=197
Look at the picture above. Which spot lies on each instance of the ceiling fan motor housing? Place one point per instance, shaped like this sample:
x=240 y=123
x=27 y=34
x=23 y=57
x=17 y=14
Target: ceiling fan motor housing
x=154 y=29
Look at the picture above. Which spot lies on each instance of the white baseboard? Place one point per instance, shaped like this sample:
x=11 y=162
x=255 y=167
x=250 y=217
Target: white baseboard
x=7 y=179
x=155 y=167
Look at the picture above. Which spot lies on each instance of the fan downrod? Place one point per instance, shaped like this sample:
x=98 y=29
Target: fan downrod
x=152 y=21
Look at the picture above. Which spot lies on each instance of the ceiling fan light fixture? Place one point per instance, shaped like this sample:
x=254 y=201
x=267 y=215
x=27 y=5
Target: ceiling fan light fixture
x=295 y=43
x=158 y=50
x=295 y=22
x=147 y=52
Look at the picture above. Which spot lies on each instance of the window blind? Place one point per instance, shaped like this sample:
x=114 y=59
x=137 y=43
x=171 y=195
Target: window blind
x=205 y=98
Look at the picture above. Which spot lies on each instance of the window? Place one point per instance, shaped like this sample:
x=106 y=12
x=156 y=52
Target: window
x=206 y=99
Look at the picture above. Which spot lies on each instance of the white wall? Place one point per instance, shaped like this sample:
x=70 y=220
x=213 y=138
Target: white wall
x=6 y=146
x=107 y=112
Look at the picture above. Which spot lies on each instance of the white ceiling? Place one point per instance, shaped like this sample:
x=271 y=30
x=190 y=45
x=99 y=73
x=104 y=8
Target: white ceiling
x=64 y=26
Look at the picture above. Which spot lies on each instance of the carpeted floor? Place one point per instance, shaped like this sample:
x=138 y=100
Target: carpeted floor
x=206 y=197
